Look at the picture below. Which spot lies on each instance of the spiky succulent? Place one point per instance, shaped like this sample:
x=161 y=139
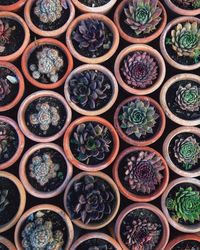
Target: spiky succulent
x=187 y=152
x=4 y=88
x=5 y=34
x=90 y=199
x=188 y=3
x=3 y=199
x=138 y=118
x=143 y=172
x=143 y=16
x=184 y=205
x=92 y=142
x=140 y=69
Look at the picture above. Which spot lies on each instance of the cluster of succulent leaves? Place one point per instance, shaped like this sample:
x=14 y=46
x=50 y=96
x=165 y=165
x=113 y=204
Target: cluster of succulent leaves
x=3 y=199
x=195 y=4
x=90 y=199
x=95 y=244
x=187 y=245
x=94 y=3
x=5 y=34
x=184 y=205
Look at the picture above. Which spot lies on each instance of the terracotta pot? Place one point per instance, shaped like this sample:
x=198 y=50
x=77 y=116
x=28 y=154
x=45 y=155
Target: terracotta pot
x=95 y=235
x=13 y=7
x=94 y=226
x=180 y=11
x=21 y=142
x=43 y=33
x=22 y=203
x=140 y=142
x=71 y=157
x=24 y=105
x=163 y=49
x=169 y=138
x=20 y=93
x=165 y=234
x=163 y=102
x=181 y=238
x=132 y=39
x=12 y=57
x=7 y=243
x=104 y=9
x=37 y=208
x=106 y=72
x=135 y=197
x=144 y=48
x=180 y=227
x=27 y=54
x=109 y=23
x=23 y=173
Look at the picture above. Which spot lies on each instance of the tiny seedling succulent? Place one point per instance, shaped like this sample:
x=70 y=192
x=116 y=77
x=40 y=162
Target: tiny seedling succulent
x=3 y=199
x=5 y=34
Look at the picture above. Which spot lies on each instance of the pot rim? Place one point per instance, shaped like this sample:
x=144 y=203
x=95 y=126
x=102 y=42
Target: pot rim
x=7 y=243
x=13 y=7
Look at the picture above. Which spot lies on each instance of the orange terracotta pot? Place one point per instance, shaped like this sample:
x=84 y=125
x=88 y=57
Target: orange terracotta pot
x=132 y=39
x=7 y=243
x=27 y=54
x=71 y=157
x=108 y=22
x=181 y=238
x=13 y=7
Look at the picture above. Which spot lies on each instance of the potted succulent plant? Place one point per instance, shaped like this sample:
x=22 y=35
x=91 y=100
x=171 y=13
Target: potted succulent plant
x=49 y=18
x=180 y=43
x=91 y=200
x=181 y=204
x=92 y=38
x=141 y=173
x=140 y=21
x=12 y=200
x=95 y=240
x=44 y=170
x=5 y=244
x=180 y=99
x=142 y=226
x=91 y=143
x=91 y=89
x=140 y=69
x=46 y=63
x=11 y=5
x=139 y=120
x=181 y=150
x=14 y=36
x=12 y=142
x=44 y=116
x=44 y=227
x=184 y=242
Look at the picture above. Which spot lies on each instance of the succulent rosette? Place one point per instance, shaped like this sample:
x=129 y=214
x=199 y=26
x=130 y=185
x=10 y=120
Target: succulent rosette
x=5 y=34
x=4 y=88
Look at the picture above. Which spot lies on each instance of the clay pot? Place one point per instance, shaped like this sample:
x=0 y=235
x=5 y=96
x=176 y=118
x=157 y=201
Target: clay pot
x=22 y=203
x=163 y=102
x=22 y=110
x=23 y=173
x=165 y=234
x=108 y=22
x=7 y=243
x=181 y=238
x=20 y=94
x=163 y=49
x=104 y=9
x=169 y=138
x=101 y=69
x=135 y=197
x=144 y=48
x=21 y=142
x=94 y=226
x=37 y=208
x=13 y=7
x=180 y=227
x=131 y=39
x=12 y=57
x=95 y=235
x=71 y=157
x=140 y=142
x=44 y=33
x=27 y=54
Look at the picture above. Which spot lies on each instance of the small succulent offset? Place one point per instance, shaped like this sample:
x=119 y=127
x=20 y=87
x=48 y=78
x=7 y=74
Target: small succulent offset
x=91 y=141
x=5 y=34
x=184 y=205
x=88 y=88
x=138 y=118
x=49 y=64
x=189 y=3
x=90 y=199
x=39 y=234
x=143 y=16
x=188 y=97
x=140 y=69
x=3 y=199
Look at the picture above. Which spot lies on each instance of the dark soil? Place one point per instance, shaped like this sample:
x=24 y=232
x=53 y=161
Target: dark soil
x=187 y=244
x=94 y=3
x=13 y=198
x=7 y=2
x=95 y=242
x=3 y=247
x=185 y=7
x=173 y=105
